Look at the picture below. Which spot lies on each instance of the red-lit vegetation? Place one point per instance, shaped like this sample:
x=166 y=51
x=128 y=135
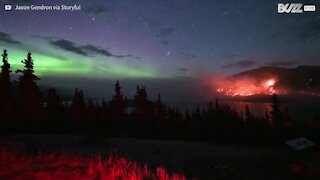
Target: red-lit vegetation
x=66 y=166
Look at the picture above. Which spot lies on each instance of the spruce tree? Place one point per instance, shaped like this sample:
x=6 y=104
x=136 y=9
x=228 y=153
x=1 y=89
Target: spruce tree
x=144 y=108
x=142 y=101
x=217 y=105
x=118 y=104
x=30 y=98
x=161 y=108
x=5 y=88
x=78 y=106
x=267 y=118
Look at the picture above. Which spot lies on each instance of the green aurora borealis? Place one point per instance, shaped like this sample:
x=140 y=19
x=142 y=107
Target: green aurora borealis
x=72 y=65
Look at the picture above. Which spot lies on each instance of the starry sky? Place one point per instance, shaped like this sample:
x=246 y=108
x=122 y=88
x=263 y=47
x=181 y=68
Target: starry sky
x=159 y=39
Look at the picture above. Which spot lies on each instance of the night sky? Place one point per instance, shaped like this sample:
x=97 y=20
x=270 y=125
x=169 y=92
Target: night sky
x=163 y=40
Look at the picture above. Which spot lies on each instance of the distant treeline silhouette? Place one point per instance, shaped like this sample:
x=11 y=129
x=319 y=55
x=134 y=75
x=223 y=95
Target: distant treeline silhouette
x=28 y=111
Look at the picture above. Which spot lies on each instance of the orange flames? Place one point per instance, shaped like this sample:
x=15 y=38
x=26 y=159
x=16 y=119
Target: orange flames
x=246 y=87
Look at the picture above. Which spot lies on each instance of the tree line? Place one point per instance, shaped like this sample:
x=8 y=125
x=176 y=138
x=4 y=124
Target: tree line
x=27 y=110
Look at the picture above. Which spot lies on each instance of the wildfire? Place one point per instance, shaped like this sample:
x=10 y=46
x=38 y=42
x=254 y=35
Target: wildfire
x=247 y=87
x=270 y=82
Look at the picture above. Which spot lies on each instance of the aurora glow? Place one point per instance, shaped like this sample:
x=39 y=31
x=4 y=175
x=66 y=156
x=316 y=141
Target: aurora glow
x=167 y=39
x=48 y=65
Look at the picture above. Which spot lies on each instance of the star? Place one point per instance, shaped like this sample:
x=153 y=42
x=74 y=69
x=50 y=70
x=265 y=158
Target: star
x=93 y=19
x=70 y=27
x=168 y=53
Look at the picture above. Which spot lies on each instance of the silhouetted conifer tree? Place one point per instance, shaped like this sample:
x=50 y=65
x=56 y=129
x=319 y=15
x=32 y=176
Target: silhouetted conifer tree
x=210 y=117
x=30 y=98
x=6 y=101
x=249 y=117
x=78 y=105
x=118 y=104
x=145 y=113
x=142 y=103
x=267 y=118
x=161 y=109
x=92 y=112
x=276 y=114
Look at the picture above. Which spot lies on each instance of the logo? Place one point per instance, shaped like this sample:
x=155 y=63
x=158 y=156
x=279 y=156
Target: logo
x=7 y=7
x=295 y=8
x=290 y=8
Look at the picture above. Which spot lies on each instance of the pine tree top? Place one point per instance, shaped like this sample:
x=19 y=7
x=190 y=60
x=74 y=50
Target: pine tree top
x=28 y=72
x=5 y=68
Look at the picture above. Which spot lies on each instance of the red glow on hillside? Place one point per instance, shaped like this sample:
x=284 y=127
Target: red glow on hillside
x=246 y=87
x=51 y=166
